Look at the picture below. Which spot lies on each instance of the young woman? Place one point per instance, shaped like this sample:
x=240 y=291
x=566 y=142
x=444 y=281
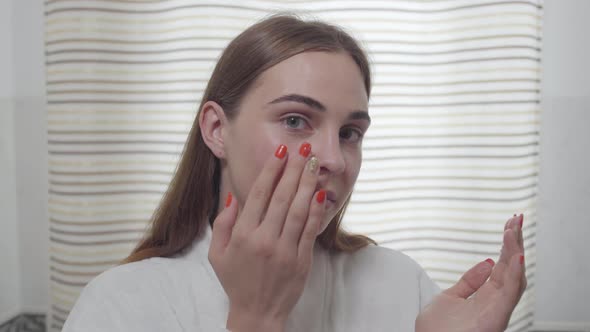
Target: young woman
x=248 y=237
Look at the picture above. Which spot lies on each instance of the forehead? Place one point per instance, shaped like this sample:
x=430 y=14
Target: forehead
x=334 y=79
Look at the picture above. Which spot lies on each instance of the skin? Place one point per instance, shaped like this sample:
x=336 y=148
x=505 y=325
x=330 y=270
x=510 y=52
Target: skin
x=263 y=240
x=264 y=121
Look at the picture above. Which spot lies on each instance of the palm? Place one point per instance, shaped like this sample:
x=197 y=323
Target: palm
x=476 y=302
x=477 y=313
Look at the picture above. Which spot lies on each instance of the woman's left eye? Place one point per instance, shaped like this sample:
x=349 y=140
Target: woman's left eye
x=351 y=135
x=295 y=122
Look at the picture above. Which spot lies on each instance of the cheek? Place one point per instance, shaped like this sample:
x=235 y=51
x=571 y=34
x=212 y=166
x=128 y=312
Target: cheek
x=276 y=135
x=353 y=166
x=249 y=154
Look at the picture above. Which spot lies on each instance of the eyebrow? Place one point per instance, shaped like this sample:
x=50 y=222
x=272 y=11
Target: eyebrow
x=315 y=104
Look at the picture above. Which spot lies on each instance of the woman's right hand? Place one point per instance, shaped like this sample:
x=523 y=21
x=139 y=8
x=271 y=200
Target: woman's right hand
x=263 y=256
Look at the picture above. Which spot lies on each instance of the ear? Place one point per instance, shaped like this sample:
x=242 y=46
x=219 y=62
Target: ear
x=212 y=122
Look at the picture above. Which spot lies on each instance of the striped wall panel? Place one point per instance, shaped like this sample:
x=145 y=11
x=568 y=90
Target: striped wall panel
x=451 y=154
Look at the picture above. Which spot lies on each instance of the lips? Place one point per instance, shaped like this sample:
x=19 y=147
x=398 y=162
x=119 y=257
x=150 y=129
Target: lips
x=330 y=196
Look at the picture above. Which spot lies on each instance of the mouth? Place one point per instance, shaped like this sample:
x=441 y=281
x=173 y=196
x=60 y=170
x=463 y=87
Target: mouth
x=330 y=199
x=330 y=196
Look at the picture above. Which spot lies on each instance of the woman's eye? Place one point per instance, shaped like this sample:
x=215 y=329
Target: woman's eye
x=351 y=135
x=295 y=122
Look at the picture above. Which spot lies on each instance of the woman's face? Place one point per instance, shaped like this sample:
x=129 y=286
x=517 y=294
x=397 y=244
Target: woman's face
x=314 y=97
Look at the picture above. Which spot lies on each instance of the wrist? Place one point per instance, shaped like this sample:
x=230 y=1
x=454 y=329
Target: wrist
x=239 y=321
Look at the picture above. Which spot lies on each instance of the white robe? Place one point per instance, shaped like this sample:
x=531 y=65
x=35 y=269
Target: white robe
x=373 y=289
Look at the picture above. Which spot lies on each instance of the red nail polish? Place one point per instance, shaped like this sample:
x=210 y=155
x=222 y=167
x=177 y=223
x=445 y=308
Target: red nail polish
x=521 y=259
x=305 y=149
x=489 y=260
x=281 y=151
x=321 y=196
x=228 y=199
x=521 y=219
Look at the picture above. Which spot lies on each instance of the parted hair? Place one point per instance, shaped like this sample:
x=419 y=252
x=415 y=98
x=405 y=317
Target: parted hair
x=191 y=199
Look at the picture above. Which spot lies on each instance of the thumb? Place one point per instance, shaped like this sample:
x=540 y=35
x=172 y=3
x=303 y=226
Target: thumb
x=472 y=280
x=223 y=225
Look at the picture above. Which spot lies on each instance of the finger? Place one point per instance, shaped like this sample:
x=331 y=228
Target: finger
x=311 y=229
x=262 y=189
x=299 y=210
x=513 y=279
x=516 y=226
x=282 y=197
x=509 y=242
x=521 y=235
x=497 y=276
x=508 y=222
x=471 y=280
x=524 y=279
x=509 y=249
x=223 y=226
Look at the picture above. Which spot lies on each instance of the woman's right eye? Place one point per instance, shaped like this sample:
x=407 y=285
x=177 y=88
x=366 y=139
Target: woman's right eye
x=295 y=122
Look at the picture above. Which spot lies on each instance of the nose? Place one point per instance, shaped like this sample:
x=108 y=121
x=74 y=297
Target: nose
x=328 y=150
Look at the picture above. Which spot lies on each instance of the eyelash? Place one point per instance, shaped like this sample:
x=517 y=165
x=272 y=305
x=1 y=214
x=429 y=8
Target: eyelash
x=290 y=117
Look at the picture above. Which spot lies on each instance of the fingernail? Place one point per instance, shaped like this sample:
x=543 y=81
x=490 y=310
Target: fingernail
x=521 y=220
x=312 y=164
x=321 y=196
x=521 y=259
x=305 y=149
x=228 y=199
x=489 y=260
x=281 y=151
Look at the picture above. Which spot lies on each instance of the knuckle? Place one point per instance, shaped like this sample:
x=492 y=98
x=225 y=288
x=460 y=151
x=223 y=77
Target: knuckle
x=281 y=199
x=298 y=215
x=264 y=247
x=285 y=260
x=259 y=192
x=302 y=269
x=498 y=283
x=239 y=236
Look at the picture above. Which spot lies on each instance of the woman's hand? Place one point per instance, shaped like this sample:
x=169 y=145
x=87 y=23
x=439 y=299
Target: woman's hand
x=493 y=300
x=262 y=257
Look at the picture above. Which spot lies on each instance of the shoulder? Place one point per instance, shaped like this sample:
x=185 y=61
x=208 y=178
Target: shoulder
x=129 y=276
x=152 y=273
x=123 y=297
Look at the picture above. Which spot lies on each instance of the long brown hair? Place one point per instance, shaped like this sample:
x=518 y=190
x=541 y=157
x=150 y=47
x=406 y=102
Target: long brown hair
x=188 y=205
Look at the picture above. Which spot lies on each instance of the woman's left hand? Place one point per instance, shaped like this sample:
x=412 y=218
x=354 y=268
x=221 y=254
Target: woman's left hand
x=493 y=300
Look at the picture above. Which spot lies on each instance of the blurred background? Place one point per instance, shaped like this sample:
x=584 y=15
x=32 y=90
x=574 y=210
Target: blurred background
x=481 y=109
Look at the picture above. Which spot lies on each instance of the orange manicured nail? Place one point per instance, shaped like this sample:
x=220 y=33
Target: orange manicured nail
x=228 y=199
x=489 y=260
x=305 y=149
x=321 y=196
x=281 y=151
